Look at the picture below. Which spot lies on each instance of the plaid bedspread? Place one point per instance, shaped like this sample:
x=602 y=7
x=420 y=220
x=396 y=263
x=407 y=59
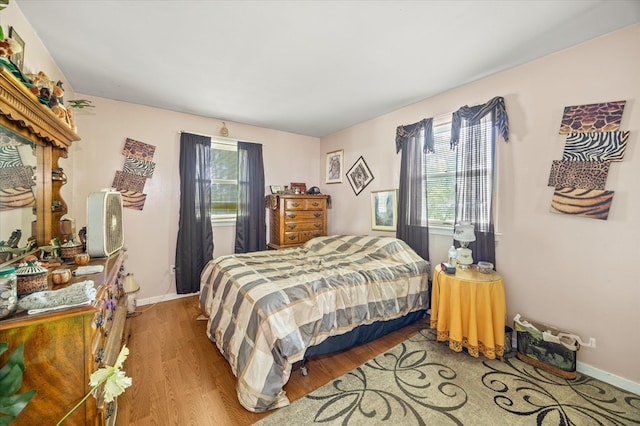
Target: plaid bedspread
x=266 y=308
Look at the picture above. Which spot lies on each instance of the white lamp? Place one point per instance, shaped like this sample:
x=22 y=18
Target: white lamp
x=463 y=233
x=131 y=287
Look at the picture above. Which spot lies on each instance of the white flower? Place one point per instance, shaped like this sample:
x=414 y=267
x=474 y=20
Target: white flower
x=114 y=379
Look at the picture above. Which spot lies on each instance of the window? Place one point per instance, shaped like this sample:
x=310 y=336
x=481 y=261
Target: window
x=440 y=178
x=224 y=180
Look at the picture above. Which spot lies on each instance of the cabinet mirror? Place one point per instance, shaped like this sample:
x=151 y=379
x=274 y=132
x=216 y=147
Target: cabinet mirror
x=17 y=193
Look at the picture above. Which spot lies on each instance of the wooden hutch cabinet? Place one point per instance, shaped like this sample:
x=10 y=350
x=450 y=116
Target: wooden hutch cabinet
x=61 y=347
x=22 y=114
x=295 y=219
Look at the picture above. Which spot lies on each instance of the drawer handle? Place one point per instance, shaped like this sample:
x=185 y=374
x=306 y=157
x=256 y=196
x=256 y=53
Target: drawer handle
x=317 y=225
x=111 y=409
x=316 y=215
x=294 y=204
x=315 y=204
x=292 y=237
x=99 y=321
x=291 y=226
x=291 y=215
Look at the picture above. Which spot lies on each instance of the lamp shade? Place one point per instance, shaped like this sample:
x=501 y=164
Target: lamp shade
x=463 y=232
x=129 y=284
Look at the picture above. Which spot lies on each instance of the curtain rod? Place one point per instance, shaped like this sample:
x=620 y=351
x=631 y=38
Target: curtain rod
x=230 y=140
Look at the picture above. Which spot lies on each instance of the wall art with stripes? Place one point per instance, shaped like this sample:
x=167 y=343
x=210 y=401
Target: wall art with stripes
x=594 y=140
x=16 y=178
x=138 y=167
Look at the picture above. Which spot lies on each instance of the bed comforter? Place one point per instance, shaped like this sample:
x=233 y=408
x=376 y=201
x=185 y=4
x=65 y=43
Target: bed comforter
x=266 y=308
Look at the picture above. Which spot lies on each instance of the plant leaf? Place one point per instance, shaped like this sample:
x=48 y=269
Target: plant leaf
x=11 y=383
x=17 y=357
x=13 y=405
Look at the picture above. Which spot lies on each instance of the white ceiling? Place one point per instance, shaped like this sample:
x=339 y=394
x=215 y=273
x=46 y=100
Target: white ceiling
x=307 y=67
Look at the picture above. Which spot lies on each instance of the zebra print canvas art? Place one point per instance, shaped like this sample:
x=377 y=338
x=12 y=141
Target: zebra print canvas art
x=604 y=146
x=139 y=167
x=10 y=156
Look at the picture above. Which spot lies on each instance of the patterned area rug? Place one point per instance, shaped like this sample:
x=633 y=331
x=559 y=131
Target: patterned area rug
x=422 y=382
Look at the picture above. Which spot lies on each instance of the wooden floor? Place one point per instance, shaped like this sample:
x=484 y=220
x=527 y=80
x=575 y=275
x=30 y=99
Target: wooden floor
x=180 y=378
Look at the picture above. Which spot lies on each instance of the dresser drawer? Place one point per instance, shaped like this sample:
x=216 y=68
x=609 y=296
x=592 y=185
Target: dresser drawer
x=291 y=237
x=303 y=226
x=319 y=204
x=315 y=204
x=303 y=216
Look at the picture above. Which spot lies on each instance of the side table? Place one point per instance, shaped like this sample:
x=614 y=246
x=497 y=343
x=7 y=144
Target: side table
x=468 y=309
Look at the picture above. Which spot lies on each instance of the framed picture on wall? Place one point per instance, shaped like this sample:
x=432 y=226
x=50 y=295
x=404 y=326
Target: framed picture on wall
x=334 y=162
x=17 y=59
x=359 y=175
x=384 y=210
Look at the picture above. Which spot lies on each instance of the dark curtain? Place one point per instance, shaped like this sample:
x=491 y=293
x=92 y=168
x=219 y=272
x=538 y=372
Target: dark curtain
x=413 y=224
x=195 y=236
x=251 y=226
x=473 y=131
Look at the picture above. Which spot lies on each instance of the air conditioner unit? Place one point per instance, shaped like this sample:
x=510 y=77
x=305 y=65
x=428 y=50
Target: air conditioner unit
x=105 y=235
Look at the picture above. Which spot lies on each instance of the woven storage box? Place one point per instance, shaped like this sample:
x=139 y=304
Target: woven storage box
x=68 y=251
x=31 y=278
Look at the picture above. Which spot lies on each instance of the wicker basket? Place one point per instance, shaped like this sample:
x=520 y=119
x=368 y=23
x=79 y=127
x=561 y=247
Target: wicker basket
x=31 y=278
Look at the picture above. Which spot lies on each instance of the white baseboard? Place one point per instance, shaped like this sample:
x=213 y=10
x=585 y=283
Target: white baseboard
x=606 y=377
x=163 y=298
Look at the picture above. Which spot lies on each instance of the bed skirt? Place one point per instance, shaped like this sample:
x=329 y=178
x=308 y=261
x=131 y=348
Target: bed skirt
x=362 y=334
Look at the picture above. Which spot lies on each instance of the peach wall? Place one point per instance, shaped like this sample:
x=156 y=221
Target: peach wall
x=150 y=234
x=577 y=274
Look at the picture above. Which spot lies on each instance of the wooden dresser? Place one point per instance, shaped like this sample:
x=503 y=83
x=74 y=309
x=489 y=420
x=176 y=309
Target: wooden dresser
x=295 y=219
x=62 y=348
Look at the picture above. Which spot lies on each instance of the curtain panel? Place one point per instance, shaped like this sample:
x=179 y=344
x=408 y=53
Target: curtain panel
x=475 y=140
x=251 y=225
x=194 y=247
x=413 y=223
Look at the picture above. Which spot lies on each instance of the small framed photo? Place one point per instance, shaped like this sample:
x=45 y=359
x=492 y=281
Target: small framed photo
x=384 y=210
x=275 y=189
x=17 y=59
x=359 y=176
x=334 y=162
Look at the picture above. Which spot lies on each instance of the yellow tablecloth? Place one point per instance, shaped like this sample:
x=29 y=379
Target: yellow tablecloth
x=468 y=309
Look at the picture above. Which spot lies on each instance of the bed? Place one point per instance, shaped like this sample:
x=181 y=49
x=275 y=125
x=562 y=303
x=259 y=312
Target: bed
x=268 y=310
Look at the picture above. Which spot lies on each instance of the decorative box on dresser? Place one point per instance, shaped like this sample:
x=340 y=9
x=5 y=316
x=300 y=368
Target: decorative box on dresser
x=295 y=219
x=62 y=348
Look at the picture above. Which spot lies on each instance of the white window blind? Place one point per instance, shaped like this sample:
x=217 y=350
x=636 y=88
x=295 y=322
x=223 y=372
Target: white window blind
x=224 y=180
